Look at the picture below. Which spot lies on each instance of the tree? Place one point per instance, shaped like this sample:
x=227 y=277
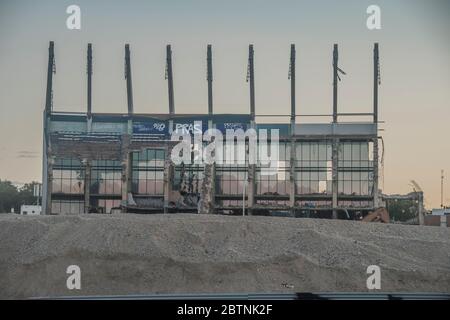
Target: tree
x=13 y=197
x=8 y=196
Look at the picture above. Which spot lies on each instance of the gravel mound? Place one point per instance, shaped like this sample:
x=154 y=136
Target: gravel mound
x=142 y=254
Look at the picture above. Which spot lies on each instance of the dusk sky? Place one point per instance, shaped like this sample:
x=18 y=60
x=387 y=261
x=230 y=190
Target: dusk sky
x=414 y=44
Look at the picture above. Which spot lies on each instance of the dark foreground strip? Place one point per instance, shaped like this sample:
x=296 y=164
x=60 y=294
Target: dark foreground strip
x=240 y=306
x=267 y=296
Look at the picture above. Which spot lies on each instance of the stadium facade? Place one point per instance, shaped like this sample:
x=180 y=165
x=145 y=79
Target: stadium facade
x=103 y=163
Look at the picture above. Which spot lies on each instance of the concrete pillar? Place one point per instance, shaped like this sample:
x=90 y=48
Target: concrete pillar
x=168 y=172
x=48 y=200
x=126 y=167
x=375 y=195
x=206 y=202
x=213 y=189
x=46 y=167
x=251 y=190
x=87 y=185
x=443 y=221
x=168 y=178
x=292 y=173
x=334 y=175
x=420 y=209
x=89 y=124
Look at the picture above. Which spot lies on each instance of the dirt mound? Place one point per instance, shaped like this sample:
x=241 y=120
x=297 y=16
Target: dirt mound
x=142 y=254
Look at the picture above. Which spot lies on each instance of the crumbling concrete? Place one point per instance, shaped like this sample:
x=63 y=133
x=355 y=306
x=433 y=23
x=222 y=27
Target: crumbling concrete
x=206 y=203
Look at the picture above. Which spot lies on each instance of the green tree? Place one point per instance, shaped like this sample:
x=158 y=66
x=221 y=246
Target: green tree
x=8 y=196
x=13 y=197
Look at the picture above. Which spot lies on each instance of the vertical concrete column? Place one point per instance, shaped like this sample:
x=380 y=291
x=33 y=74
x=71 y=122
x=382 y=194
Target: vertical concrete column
x=375 y=195
x=292 y=128
x=206 y=202
x=334 y=176
x=213 y=189
x=213 y=174
x=168 y=178
x=87 y=185
x=89 y=124
x=169 y=172
x=48 y=204
x=47 y=175
x=207 y=195
x=420 y=209
x=47 y=166
x=443 y=221
x=292 y=173
x=126 y=167
x=251 y=190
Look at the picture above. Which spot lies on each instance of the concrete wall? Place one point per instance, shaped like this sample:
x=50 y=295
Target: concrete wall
x=437 y=221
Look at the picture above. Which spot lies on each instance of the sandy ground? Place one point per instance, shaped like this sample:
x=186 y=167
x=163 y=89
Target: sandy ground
x=142 y=254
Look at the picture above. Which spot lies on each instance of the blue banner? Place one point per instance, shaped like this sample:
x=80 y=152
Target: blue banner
x=224 y=126
x=190 y=125
x=154 y=127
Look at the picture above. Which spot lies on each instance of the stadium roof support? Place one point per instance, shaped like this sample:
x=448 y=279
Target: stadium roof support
x=209 y=78
x=128 y=79
x=376 y=81
x=50 y=71
x=169 y=78
x=292 y=77
x=251 y=80
x=89 y=80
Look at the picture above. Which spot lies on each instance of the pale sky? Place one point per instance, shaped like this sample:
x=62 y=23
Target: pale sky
x=414 y=56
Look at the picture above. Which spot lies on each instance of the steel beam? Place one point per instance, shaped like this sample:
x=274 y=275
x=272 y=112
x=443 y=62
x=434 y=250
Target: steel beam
x=128 y=79
x=376 y=81
x=169 y=78
x=251 y=80
x=292 y=140
x=335 y=80
x=292 y=77
x=209 y=78
x=89 y=80
x=50 y=72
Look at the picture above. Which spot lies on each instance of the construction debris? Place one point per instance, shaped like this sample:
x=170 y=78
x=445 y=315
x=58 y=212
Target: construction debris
x=192 y=253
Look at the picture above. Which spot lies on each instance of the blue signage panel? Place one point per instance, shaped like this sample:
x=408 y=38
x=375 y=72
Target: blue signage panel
x=224 y=126
x=153 y=127
x=226 y=122
x=190 y=125
x=283 y=128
